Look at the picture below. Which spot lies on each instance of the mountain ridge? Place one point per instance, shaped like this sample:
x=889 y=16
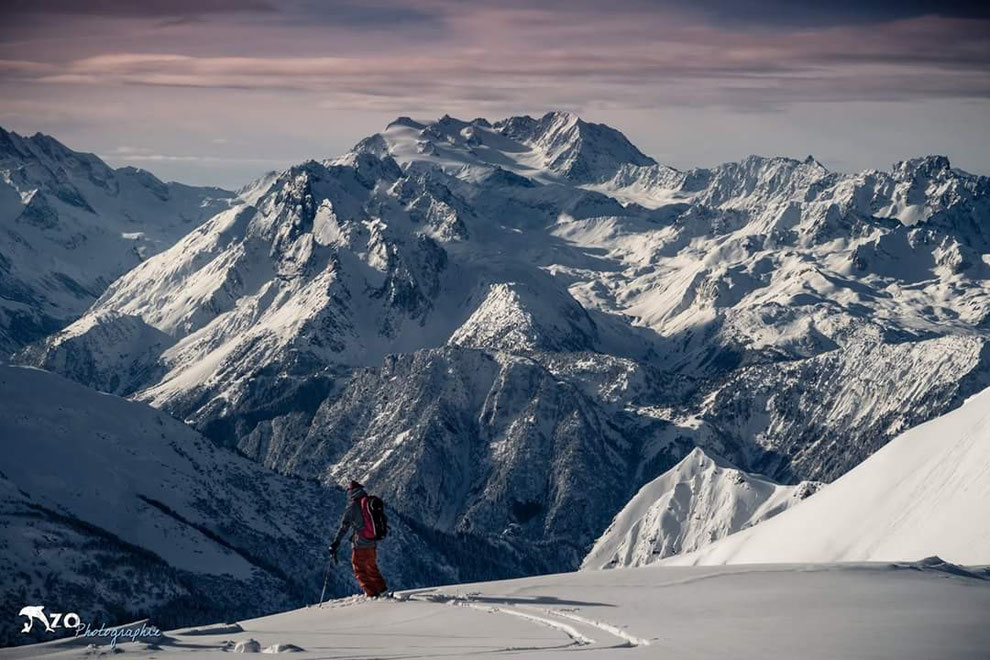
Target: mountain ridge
x=697 y=502
x=491 y=303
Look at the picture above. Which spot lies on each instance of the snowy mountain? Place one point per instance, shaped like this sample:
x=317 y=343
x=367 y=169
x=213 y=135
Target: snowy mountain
x=118 y=511
x=509 y=328
x=70 y=225
x=557 y=146
x=696 y=502
x=925 y=493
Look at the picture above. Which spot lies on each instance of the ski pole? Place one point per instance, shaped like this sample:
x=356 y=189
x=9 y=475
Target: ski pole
x=326 y=576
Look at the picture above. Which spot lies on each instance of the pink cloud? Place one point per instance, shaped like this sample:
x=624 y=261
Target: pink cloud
x=314 y=69
x=917 y=58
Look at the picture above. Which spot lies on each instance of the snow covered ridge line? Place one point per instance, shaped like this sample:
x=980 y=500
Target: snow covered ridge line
x=696 y=502
x=757 y=611
x=561 y=147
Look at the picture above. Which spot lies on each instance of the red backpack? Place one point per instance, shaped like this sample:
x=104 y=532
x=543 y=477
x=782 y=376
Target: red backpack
x=375 y=521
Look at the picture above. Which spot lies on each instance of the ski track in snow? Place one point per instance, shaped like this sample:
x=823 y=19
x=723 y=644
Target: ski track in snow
x=578 y=638
x=631 y=640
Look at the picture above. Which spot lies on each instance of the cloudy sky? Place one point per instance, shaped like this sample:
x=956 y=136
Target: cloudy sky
x=219 y=91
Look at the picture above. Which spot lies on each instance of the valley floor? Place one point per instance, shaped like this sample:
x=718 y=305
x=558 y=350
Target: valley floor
x=910 y=610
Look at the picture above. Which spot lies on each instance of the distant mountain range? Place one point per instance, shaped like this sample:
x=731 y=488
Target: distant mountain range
x=71 y=225
x=508 y=329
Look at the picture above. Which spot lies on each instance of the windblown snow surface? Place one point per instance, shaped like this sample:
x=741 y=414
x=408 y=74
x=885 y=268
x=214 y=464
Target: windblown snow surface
x=917 y=611
x=927 y=492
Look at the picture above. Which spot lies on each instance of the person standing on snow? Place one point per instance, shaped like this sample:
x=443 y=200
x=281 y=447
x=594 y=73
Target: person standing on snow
x=364 y=555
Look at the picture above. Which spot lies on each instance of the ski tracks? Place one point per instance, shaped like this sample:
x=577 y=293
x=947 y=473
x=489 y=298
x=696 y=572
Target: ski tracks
x=577 y=638
x=616 y=631
x=582 y=631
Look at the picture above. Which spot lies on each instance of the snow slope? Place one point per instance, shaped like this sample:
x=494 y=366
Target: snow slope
x=116 y=509
x=176 y=519
x=70 y=225
x=911 y=611
x=696 y=502
x=926 y=492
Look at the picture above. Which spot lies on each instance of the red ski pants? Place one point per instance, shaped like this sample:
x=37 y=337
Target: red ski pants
x=365 y=563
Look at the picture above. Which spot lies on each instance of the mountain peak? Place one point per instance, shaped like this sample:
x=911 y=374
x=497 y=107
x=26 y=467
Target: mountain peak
x=406 y=121
x=558 y=144
x=931 y=165
x=581 y=151
x=91 y=222
x=562 y=117
x=701 y=499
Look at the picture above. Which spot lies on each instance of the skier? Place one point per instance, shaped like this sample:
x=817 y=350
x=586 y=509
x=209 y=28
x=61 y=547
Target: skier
x=364 y=555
